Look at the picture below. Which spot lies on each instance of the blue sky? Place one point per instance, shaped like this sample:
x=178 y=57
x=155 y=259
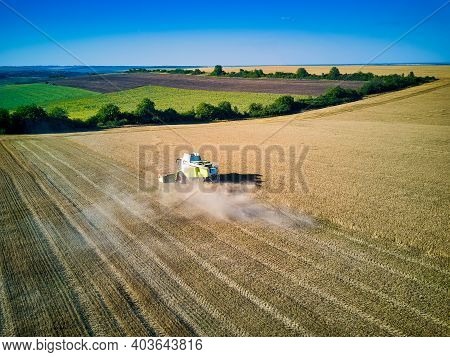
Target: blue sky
x=230 y=32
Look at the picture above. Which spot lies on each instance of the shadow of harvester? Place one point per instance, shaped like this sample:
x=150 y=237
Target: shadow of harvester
x=233 y=177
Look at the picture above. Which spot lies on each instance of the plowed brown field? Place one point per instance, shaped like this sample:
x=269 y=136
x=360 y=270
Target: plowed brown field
x=85 y=252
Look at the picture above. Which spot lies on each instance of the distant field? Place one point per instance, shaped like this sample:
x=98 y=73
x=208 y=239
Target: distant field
x=12 y=96
x=437 y=71
x=115 y=82
x=164 y=97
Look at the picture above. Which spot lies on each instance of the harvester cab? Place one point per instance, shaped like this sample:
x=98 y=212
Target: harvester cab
x=191 y=167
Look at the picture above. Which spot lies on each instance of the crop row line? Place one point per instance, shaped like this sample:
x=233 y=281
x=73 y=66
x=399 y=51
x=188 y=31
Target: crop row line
x=345 y=236
x=231 y=327
x=324 y=295
x=207 y=266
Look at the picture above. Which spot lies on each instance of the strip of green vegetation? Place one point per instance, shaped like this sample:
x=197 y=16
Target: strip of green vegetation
x=15 y=95
x=180 y=100
x=32 y=119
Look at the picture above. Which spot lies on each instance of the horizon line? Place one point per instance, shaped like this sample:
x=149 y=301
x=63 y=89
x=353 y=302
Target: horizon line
x=246 y=65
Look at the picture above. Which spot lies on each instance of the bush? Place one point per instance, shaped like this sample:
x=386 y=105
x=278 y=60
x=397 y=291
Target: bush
x=218 y=71
x=281 y=105
x=34 y=119
x=146 y=112
x=58 y=113
x=371 y=87
x=302 y=73
x=167 y=116
x=339 y=93
x=392 y=82
x=29 y=118
x=5 y=121
x=206 y=111
x=255 y=110
x=334 y=73
x=108 y=113
x=225 y=111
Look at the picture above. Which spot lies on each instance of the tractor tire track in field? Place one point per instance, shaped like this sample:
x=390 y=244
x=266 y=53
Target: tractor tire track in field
x=208 y=267
x=170 y=275
x=105 y=301
x=40 y=297
x=360 y=314
x=241 y=289
x=410 y=262
x=351 y=282
x=416 y=311
x=169 y=295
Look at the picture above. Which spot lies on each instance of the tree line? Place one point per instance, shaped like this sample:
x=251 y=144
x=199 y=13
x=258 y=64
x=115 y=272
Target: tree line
x=375 y=83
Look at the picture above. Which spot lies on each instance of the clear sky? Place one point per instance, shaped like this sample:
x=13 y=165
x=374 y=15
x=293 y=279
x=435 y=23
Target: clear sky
x=228 y=32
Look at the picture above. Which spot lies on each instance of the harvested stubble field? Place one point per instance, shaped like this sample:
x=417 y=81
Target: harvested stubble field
x=115 y=82
x=85 y=253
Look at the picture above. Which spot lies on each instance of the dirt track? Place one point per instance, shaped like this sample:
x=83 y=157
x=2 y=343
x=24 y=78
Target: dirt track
x=115 y=82
x=83 y=253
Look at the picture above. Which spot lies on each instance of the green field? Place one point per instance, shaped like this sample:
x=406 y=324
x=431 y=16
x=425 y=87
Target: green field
x=80 y=103
x=164 y=97
x=13 y=96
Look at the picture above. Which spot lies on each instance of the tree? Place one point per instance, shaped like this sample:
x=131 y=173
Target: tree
x=334 y=73
x=146 y=111
x=339 y=94
x=58 y=113
x=302 y=73
x=281 y=105
x=224 y=110
x=28 y=118
x=5 y=121
x=255 y=110
x=108 y=112
x=206 y=111
x=259 y=73
x=218 y=71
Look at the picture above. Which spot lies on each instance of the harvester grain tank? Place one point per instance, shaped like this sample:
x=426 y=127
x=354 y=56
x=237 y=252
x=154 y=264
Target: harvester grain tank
x=191 y=167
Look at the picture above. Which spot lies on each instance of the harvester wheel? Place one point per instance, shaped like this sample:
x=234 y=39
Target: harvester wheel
x=181 y=177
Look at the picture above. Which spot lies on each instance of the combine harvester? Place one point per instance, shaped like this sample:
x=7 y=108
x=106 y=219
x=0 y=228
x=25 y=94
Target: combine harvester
x=191 y=167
